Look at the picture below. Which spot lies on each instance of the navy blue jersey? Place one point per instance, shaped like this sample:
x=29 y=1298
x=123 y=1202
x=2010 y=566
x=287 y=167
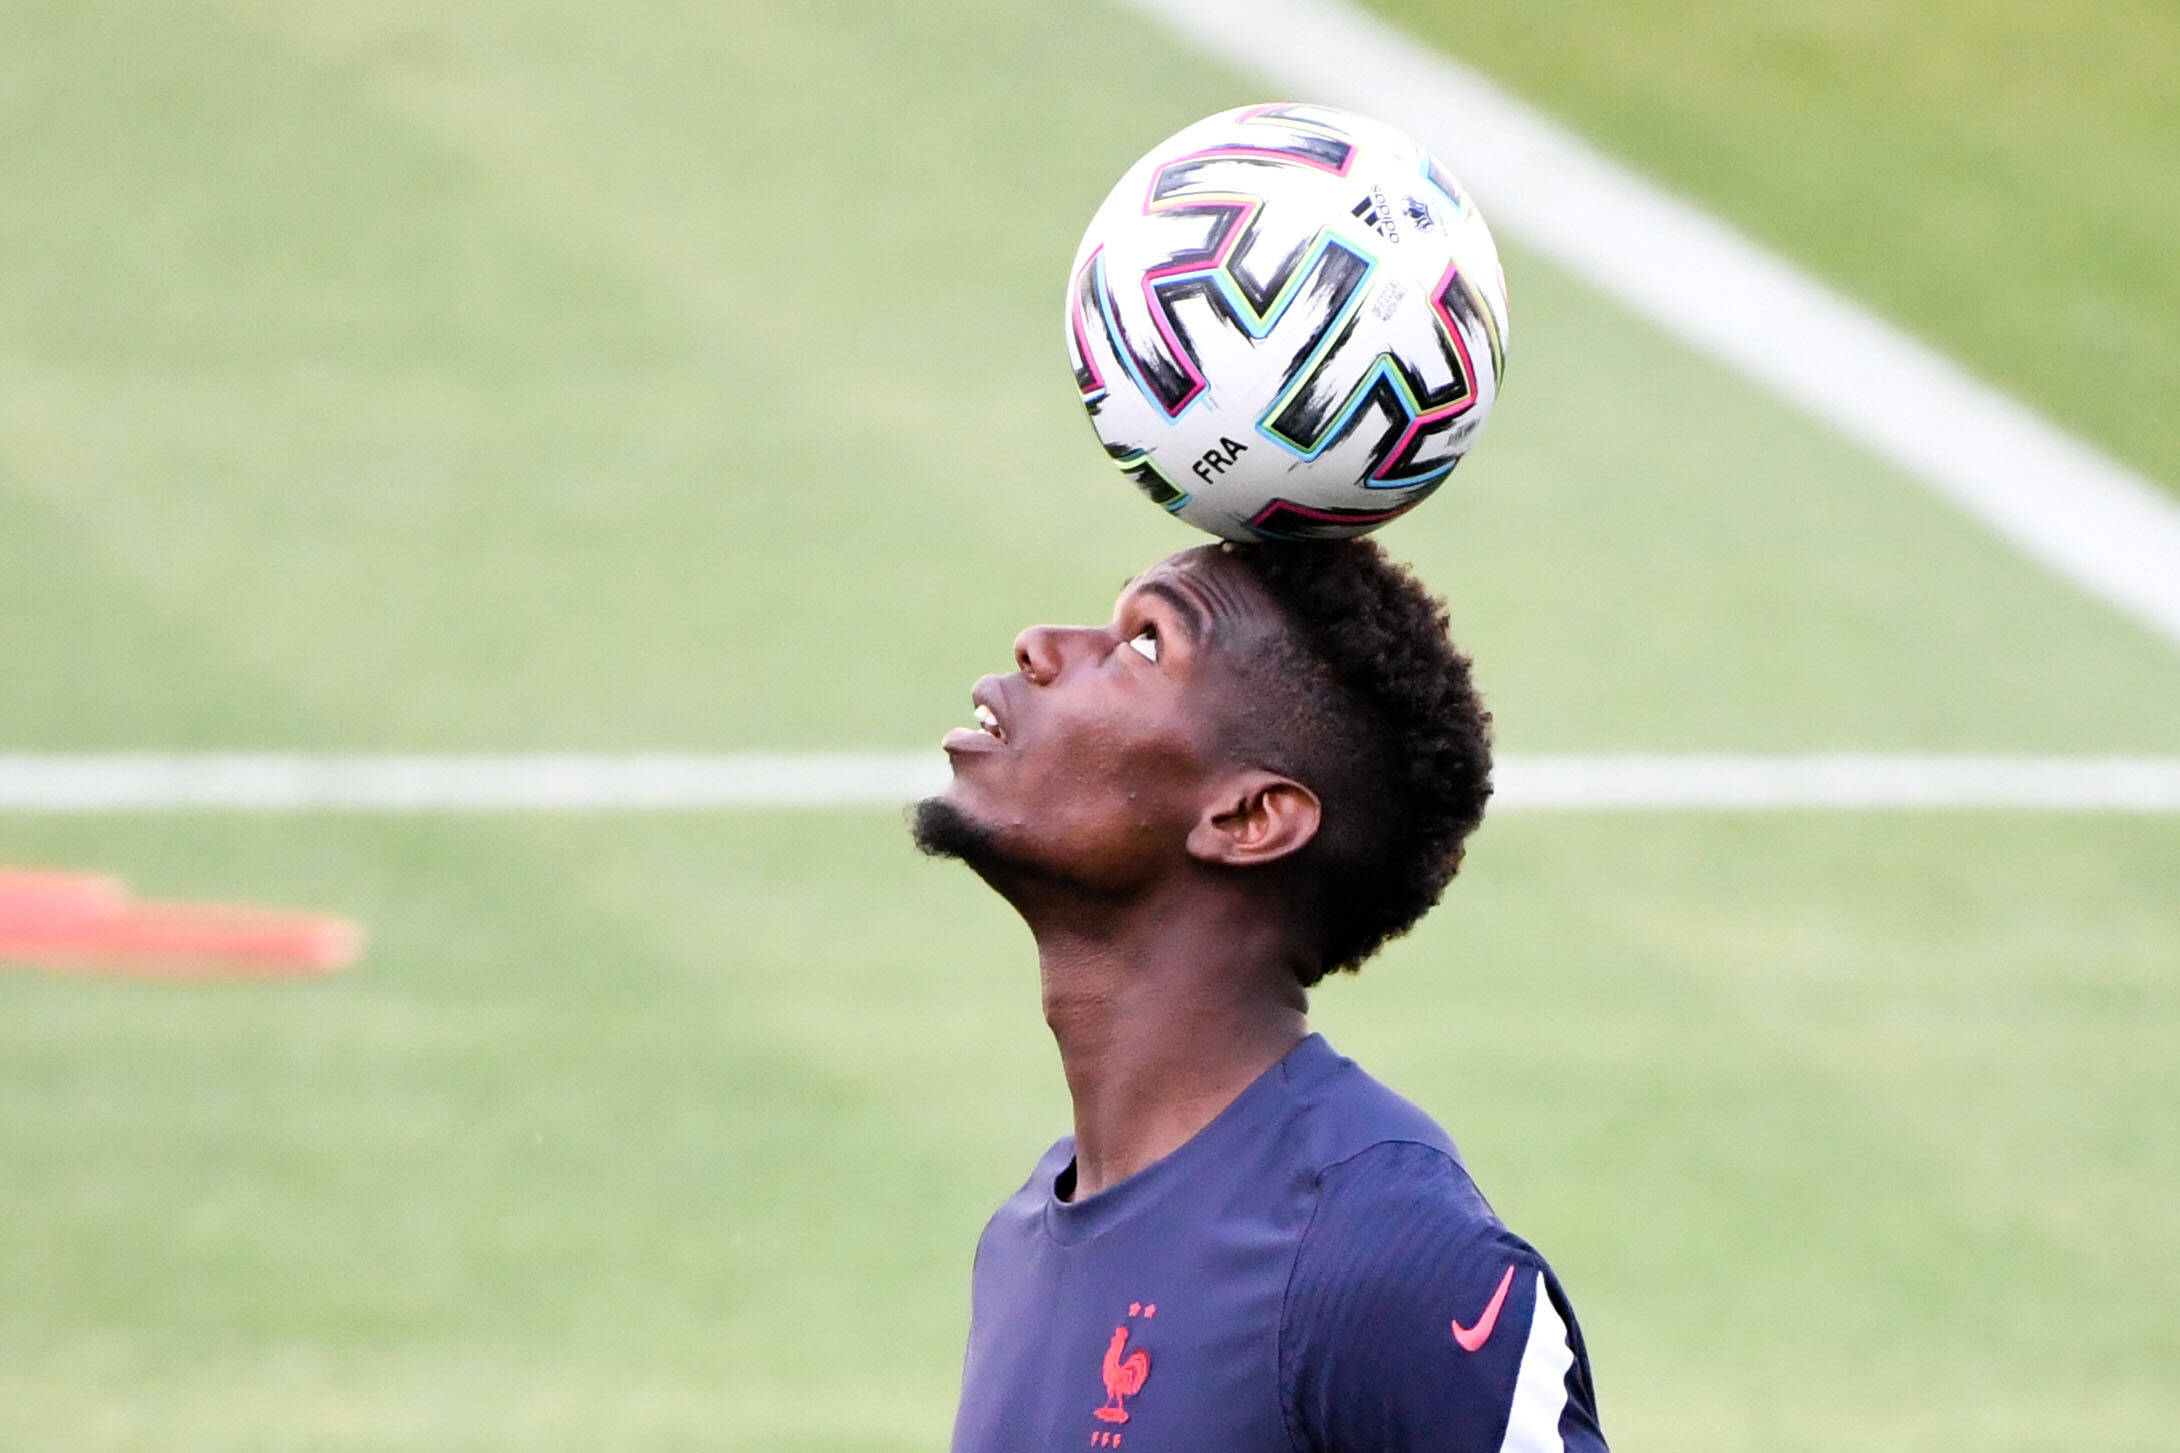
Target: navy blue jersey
x=1314 y=1272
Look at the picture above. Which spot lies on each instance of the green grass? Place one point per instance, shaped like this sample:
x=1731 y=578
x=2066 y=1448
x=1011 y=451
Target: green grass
x=508 y=376
x=1998 y=175
x=505 y=420
x=676 y=1133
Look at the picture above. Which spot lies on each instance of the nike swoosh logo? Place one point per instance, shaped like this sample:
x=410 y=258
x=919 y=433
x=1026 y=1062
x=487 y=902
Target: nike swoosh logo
x=1474 y=1337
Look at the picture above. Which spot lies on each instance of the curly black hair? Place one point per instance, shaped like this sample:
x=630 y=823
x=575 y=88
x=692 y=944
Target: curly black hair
x=1373 y=709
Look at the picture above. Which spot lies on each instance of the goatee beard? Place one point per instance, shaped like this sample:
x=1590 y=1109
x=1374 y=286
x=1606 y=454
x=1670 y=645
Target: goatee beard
x=942 y=830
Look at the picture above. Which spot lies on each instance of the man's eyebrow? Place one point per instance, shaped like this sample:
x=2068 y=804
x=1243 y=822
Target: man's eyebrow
x=1184 y=605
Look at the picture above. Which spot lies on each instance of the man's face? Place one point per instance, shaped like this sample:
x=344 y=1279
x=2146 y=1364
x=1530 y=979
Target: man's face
x=1101 y=750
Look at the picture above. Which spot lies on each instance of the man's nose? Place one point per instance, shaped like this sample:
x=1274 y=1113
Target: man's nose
x=1043 y=652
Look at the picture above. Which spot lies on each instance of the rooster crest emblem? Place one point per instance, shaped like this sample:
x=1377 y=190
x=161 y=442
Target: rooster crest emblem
x=1124 y=1377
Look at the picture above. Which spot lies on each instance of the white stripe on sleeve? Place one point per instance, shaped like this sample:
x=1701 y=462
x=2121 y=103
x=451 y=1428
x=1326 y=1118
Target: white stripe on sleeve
x=1540 y=1388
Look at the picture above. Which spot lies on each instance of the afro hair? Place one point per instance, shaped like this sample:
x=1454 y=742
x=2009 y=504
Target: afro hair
x=1374 y=710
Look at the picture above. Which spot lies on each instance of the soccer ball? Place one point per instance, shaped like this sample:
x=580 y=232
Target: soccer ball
x=1287 y=322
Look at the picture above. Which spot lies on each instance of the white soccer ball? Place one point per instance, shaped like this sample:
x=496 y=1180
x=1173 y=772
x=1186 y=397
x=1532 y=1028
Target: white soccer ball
x=1287 y=322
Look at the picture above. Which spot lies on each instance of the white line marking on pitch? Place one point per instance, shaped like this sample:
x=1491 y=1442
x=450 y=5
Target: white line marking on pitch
x=1841 y=781
x=2057 y=498
x=130 y=781
x=566 y=782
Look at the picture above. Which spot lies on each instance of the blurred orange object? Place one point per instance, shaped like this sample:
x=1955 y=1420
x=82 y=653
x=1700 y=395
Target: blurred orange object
x=89 y=923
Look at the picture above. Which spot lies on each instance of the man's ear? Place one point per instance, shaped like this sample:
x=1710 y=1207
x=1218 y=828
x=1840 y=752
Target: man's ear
x=1256 y=817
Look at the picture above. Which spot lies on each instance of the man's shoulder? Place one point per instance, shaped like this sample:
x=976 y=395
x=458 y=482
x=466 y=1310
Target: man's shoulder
x=1414 y=1315
x=1390 y=1203
x=1389 y=1185
x=1351 y=1128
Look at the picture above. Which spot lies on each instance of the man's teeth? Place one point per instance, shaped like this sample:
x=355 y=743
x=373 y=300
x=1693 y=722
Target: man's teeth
x=988 y=721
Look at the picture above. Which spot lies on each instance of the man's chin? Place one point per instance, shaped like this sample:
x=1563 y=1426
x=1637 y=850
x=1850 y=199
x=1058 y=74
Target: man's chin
x=941 y=829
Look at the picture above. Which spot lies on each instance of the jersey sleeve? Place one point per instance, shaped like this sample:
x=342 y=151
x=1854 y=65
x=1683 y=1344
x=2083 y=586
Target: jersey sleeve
x=1415 y=1320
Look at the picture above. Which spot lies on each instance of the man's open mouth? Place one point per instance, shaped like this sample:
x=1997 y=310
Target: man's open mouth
x=990 y=732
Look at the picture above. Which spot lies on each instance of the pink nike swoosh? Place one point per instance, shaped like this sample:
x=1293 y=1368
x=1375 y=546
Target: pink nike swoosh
x=1474 y=1337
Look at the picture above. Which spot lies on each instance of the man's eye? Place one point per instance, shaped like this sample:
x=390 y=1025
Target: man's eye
x=1145 y=643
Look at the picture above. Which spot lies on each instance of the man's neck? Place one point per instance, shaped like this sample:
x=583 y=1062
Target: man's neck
x=1164 y=1013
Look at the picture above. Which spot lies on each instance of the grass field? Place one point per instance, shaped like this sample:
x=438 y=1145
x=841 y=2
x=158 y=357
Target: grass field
x=1999 y=175
x=504 y=377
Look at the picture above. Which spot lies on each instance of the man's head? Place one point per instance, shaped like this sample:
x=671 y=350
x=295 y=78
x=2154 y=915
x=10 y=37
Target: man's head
x=1288 y=721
